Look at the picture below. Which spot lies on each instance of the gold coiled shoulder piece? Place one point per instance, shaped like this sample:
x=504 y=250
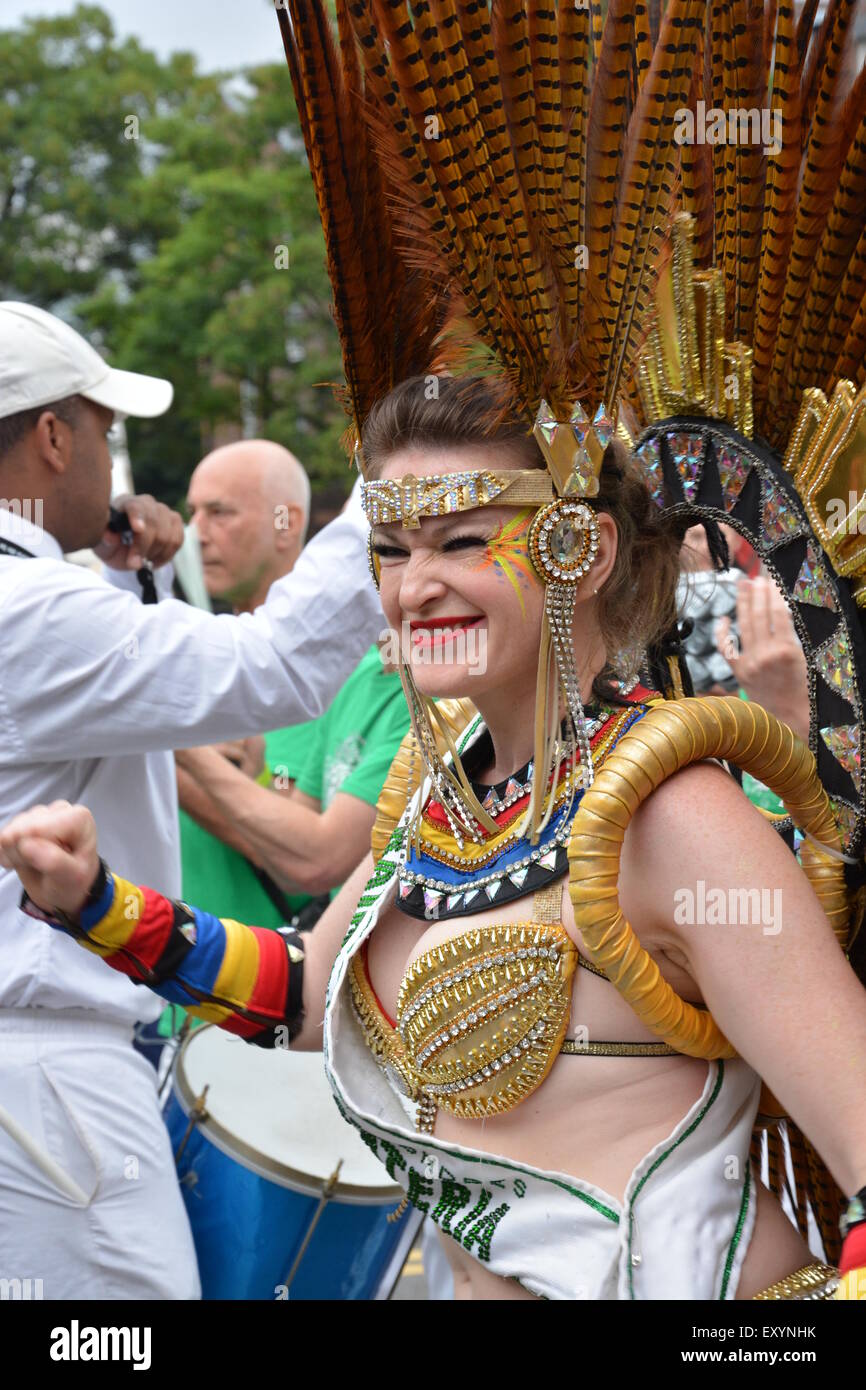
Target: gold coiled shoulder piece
x=670 y=737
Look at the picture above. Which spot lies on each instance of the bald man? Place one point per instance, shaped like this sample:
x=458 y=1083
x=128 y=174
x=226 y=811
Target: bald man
x=250 y=504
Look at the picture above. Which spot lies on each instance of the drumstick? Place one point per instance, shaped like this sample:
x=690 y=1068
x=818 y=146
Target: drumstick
x=327 y=1192
x=52 y=1170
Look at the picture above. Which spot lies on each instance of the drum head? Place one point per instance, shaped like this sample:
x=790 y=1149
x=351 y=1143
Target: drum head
x=274 y=1112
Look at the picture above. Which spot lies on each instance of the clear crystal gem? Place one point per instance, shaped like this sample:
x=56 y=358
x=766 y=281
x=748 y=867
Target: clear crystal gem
x=566 y=541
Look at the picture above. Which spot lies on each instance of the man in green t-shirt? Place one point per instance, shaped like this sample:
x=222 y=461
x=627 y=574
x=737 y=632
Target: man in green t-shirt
x=314 y=836
x=220 y=874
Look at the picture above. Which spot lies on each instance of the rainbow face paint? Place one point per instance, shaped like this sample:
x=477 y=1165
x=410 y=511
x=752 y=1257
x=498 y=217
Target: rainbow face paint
x=507 y=551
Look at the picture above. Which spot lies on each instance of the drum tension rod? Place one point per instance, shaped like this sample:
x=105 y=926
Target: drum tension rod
x=327 y=1194
x=198 y=1112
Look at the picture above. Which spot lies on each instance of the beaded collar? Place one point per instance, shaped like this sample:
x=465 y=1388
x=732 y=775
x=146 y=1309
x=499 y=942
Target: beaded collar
x=438 y=879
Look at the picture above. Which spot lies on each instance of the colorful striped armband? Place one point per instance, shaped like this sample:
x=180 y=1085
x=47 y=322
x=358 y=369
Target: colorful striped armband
x=247 y=979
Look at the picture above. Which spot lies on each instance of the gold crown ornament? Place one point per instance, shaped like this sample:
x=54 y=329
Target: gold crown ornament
x=573 y=448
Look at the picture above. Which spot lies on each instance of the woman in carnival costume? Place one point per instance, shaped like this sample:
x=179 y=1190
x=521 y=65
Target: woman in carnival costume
x=584 y=1002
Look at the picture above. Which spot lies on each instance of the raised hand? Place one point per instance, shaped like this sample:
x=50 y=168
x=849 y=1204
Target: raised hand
x=768 y=660
x=53 y=850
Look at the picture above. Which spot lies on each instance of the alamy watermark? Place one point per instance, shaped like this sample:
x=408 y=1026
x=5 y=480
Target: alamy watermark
x=443 y=646
x=729 y=907
x=77 y=1343
x=26 y=514
x=739 y=126
x=21 y=1290
x=847 y=517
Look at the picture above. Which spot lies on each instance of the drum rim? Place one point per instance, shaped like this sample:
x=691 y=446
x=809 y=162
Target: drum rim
x=305 y=1184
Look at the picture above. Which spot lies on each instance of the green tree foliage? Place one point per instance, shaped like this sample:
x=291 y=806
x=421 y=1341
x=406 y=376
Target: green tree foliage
x=170 y=216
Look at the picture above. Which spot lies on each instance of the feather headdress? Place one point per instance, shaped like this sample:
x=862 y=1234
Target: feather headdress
x=466 y=137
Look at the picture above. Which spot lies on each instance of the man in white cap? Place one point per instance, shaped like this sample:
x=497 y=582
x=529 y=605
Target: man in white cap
x=95 y=688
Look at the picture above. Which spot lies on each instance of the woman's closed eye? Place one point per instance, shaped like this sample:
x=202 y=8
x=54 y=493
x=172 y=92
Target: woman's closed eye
x=387 y=551
x=464 y=542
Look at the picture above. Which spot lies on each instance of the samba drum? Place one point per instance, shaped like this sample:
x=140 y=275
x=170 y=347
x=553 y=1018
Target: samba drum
x=284 y=1198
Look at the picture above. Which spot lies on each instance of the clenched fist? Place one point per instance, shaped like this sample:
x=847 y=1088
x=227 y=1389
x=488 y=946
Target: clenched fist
x=53 y=850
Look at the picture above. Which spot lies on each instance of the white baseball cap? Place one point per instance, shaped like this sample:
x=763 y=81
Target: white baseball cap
x=43 y=360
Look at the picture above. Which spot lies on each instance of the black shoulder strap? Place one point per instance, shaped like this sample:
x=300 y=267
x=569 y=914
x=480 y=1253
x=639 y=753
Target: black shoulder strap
x=8 y=547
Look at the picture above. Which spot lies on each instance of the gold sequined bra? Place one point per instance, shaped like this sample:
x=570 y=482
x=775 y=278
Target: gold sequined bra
x=482 y=1017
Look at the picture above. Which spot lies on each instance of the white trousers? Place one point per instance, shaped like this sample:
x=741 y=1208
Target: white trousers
x=89 y=1201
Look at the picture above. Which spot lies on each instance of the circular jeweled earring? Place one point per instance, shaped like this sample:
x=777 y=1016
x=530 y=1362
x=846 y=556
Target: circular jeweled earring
x=563 y=541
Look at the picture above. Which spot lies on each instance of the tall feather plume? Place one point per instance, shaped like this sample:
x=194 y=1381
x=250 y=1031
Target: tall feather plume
x=513 y=24
x=328 y=125
x=770 y=22
x=844 y=345
x=597 y=30
x=544 y=63
x=412 y=75
x=805 y=25
x=643 y=48
x=479 y=158
x=780 y=197
x=606 y=141
x=575 y=56
x=558 y=249
x=747 y=93
x=820 y=171
x=648 y=182
x=510 y=27
x=526 y=49
x=851 y=362
x=476 y=42
x=422 y=170
x=696 y=164
x=717 y=40
x=375 y=225
x=824 y=52
x=838 y=241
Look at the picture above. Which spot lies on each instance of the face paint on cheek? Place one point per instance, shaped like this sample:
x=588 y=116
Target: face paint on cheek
x=507 y=551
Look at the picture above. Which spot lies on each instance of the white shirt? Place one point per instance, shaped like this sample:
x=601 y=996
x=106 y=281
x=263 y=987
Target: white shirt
x=95 y=687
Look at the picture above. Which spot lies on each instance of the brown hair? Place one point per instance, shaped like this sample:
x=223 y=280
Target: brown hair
x=637 y=604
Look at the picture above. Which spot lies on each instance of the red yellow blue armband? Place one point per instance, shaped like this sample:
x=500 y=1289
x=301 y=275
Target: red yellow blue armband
x=247 y=979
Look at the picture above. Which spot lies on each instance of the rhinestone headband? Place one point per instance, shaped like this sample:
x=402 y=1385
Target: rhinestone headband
x=406 y=500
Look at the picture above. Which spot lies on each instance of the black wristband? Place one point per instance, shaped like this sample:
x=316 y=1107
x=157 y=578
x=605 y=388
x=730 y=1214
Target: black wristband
x=295 y=996
x=56 y=915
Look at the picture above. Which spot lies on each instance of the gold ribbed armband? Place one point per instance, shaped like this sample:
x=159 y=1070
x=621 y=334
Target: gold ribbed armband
x=669 y=737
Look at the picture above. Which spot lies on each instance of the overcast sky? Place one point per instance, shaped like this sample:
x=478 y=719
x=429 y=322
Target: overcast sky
x=222 y=33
